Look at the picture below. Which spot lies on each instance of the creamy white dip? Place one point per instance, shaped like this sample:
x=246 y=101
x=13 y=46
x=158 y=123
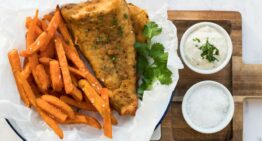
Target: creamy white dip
x=193 y=53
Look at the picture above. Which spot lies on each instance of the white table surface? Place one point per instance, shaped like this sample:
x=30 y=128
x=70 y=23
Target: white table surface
x=251 y=11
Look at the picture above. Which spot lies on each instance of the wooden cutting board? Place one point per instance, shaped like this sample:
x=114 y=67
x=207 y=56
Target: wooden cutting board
x=241 y=79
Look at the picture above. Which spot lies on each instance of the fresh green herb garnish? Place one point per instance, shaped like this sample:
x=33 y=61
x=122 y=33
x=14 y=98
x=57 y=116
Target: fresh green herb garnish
x=114 y=21
x=208 y=51
x=113 y=58
x=120 y=31
x=125 y=16
x=157 y=70
x=151 y=29
x=196 y=40
x=99 y=39
x=100 y=18
x=94 y=46
x=118 y=47
x=102 y=39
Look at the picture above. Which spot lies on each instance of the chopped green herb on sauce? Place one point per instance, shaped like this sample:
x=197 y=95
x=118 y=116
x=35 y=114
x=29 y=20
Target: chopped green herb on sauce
x=196 y=40
x=208 y=51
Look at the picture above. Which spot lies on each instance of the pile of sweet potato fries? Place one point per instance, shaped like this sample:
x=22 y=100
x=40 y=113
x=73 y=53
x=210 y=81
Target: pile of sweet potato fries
x=54 y=80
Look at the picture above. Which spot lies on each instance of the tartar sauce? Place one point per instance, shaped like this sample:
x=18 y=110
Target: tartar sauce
x=202 y=34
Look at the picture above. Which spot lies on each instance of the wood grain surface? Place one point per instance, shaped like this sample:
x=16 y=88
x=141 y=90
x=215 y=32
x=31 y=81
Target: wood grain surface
x=174 y=126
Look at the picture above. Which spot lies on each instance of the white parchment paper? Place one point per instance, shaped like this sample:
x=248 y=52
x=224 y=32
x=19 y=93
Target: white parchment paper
x=27 y=121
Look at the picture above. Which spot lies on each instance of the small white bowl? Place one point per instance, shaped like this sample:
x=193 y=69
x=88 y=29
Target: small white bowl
x=228 y=116
x=219 y=29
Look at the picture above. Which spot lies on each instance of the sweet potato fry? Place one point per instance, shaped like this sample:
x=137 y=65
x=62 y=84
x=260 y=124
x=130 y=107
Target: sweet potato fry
x=48 y=16
x=51 y=123
x=42 y=77
x=88 y=102
x=44 y=38
x=93 y=96
x=77 y=104
x=26 y=71
x=44 y=24
x=77 y=94
x=67 y=38
x=31 y=33
x=27 y=88
x=82 y=74
x=113 y=119
x=92 y=80
x=60 y=104
x=29 y=20
x=76 y=72
x=69 y=87
x=30 y=36
x=54 y=23
x=35 y=89
x=45 y=60
x=33 y=62
x=50 y=109
x=74 y=79
x=49 y=51
x=52 y=27
x=84 y=119
x=106 y=113
x=72 y=55
x=55 y=75
x=14 y=61
x=28 y=24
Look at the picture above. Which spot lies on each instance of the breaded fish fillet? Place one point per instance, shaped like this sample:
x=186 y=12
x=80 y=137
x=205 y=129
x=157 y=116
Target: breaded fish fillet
x=139 y=19
x=103 y=32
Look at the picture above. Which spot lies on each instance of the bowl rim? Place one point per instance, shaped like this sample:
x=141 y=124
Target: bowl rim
x=9 y=122
x=225 y=121
x=219 y=29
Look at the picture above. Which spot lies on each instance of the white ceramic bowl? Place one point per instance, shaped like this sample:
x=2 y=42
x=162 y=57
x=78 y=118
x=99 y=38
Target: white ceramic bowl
x=227 y=118
x=219 y=29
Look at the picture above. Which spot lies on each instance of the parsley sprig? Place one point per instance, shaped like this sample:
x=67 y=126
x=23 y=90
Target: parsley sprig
x=208 y=51
x=151 y=71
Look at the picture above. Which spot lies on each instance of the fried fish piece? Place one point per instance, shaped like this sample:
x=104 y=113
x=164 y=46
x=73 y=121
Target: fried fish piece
x=139 y=19
x=105 y=36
